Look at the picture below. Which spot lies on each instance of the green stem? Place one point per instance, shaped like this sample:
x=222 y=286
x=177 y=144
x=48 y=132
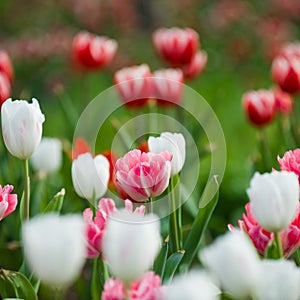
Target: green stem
x=26 y=190
x=264 y=150
x=96 y=283
x=278 y=244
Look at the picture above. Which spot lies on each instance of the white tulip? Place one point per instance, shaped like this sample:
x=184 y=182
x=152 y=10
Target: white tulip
x=47 y=158
x=173 y=143
x=90 y=176
x=130 y=244
x=274 y=199
x=196 y=285
x=54 y=247
x=21 y=126
x=234 y=262
x=279 y=279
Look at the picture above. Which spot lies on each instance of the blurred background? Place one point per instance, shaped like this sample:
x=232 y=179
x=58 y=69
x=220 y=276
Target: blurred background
x=240 y=38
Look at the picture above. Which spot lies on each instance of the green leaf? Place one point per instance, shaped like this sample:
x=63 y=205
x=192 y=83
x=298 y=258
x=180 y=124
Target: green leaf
x=271 y=251
x=56 y=203
x=15 y=284
x=172 y=265
x=22 y=208
x=160 y=261
x=207 y=205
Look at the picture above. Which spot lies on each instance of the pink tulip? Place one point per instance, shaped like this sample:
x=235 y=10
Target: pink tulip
x=259 y=106
x=96 y=226
x=6 y=66
x=8 y=201
x=4 y=88
x=148 y=287
x=196 y=66
x=134 y=85
x=290 y=237
x=286 y=68
x=93 y=52
x=290 y=162
x=143 y=175
x=175 y=45
x=168 y=86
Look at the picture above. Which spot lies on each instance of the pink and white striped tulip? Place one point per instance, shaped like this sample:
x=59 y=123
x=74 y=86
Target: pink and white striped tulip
x=173 y=143
x=143 y=175
x=196 y=66
x=21 y=126
x=90 y=176
x=130 y=244
x=175 y=45
x=168 y=86
x=8 y=201
x=134 y=85
x=274 y=199
x=259 y=107
x=93 y=52
x=290 y=162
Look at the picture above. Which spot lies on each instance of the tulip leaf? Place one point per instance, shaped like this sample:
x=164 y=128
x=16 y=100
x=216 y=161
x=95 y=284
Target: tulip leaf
x=161 y=259
x=16 y=285
x=56 y=203
x=271 y=251
x=172 y=265
x=208 y=203
x=22 y=208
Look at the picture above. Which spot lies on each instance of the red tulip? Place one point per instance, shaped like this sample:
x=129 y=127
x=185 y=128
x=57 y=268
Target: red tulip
x=175 y=45
x=81 y=146
x=284 y=102
x=8 y=201
x=168 y=86
x=196 y=66
x=4 y=88
x=259 y=106
x=134 y=85
x=93 y=52
x=286 y=68
x=6 y=66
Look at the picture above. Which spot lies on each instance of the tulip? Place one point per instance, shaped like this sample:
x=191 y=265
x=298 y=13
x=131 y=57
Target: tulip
x=21 y=126
x=283 y=101
x=6 y=66
x=47 y=158
x=173 y=143
x=134 y=85
x=279 y=279
x=196 y=66
x=8 y=201
x=274 y=199
x=196 y=285
x=175 y=45
x=90 y=176
x=259 y=107
x=143 y=175
x=130 y=244
x=93 y=52
x=234 y=262
x=168 y=86
x=286 y=68
x=290 y=162
x=261 y=238
x=81 y=146
x=4 y=88
x=54 y=247
x=114 y=289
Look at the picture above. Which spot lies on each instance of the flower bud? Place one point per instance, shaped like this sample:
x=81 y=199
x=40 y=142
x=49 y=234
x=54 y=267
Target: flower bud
x=8 y=201
x=21 y=126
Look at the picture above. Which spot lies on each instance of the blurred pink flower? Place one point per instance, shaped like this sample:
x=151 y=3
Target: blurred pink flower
x=134 y=85
x=283 y=101
x=6 y=66
x=4 y=88
x=196 y=66
x=290 y=237
x=93 y=52
x=143 y=175
x=259 y=106
x=168 y=86
x=96 y=226
x=8 y=201
x=148 y=287
x=175 y=45
x=286 y=68
x=290 y=162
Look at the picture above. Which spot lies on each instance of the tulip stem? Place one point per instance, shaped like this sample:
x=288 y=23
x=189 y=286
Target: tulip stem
x=175 y=217
x=26 y=190
x=278 y=244
x=96 y=287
